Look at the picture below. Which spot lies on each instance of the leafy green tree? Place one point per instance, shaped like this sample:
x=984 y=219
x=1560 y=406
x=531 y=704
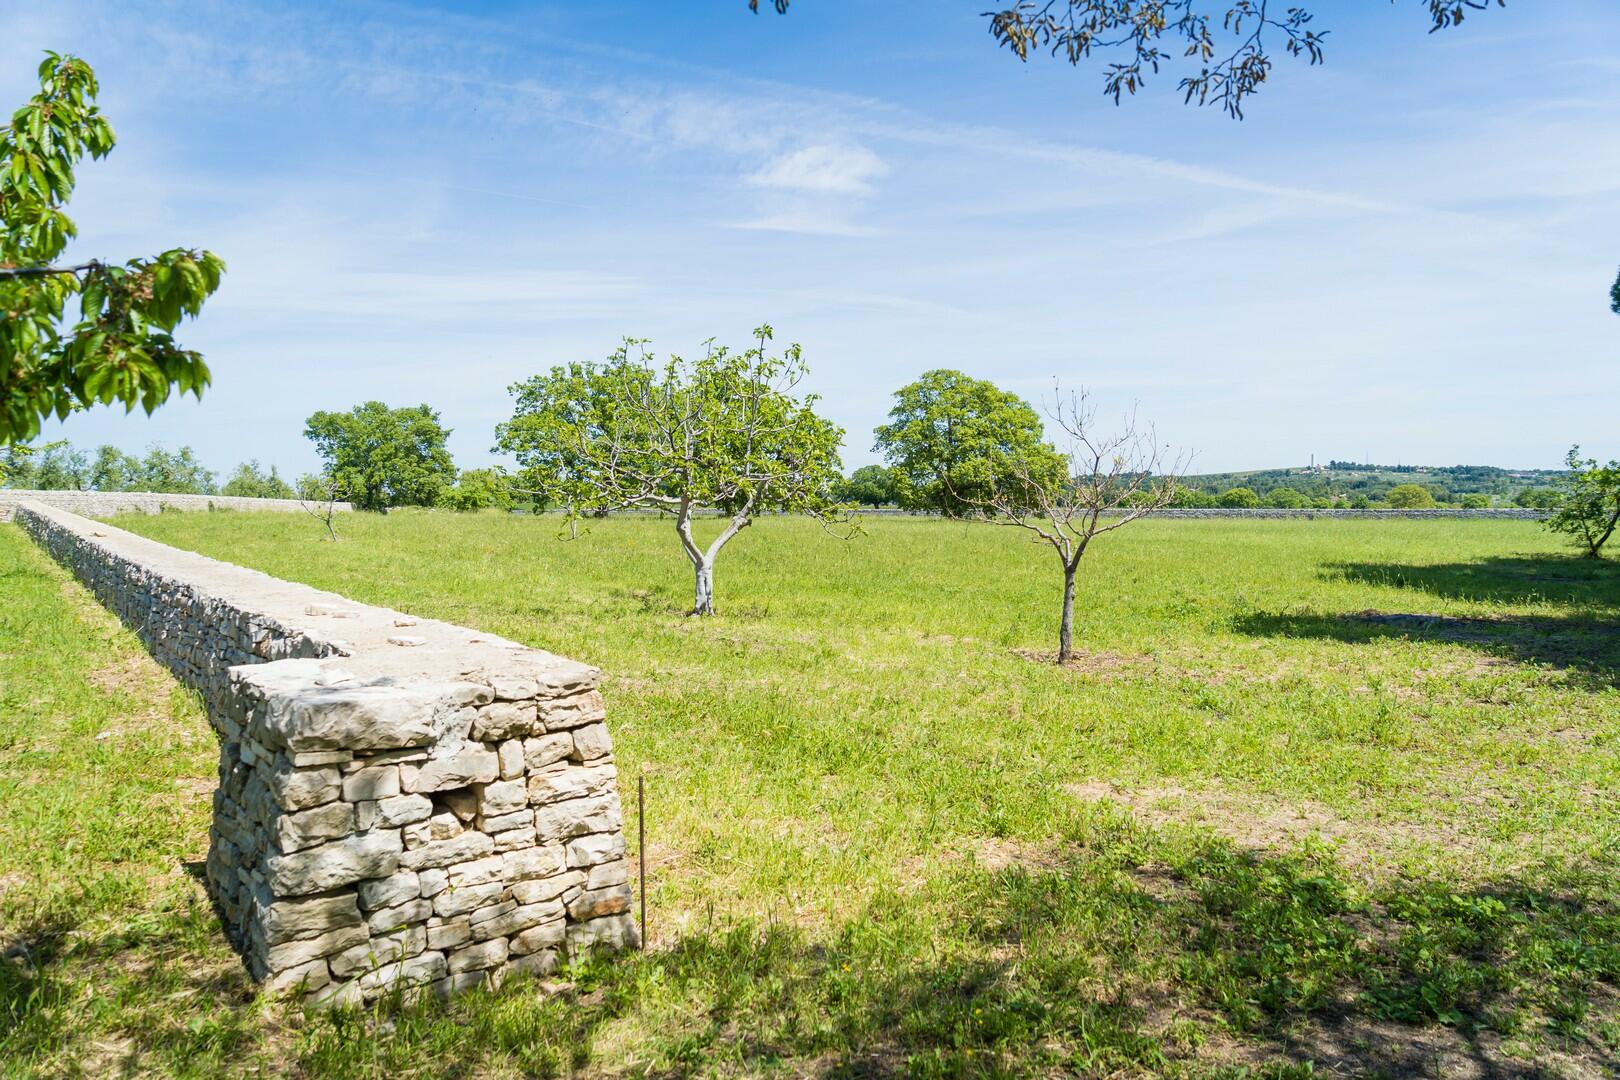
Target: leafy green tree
x=1476 y=502
x=1191 y=499
x=869 y=485
x=1538 y=498
x=250 y=481
x=953 y=442
x=114 y=470
x=381 y=457
x=723 y=432
x=1591 y=504
x=478 y=489
x=1286 y=499
x=1238 y=498
x=53 y=466
x=120 y=347
x=1225 y=39
x=1410 y=497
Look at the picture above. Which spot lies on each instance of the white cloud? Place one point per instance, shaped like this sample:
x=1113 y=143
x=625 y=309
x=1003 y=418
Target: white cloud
x=824 y=169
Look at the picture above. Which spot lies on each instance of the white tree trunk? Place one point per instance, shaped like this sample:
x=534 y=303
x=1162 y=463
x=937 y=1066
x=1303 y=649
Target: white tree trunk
x=703 y=594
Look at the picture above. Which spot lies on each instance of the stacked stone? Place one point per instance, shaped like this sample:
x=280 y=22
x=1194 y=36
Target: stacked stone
x=446 y=817
x=372 y=834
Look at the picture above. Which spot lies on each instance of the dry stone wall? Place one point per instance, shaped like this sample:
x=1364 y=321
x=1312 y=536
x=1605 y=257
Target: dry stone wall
x=401 y=802
x=108 y=503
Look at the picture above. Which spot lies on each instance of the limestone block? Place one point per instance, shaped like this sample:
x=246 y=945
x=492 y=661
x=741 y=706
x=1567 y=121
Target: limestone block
x=412 y=911
x=305 y=829
x=453 y=902
x=305 y=978
x=559 y=886
x=596 y=848
x=472 y=765
x=336 y=863
x=546 y=935
x=547 y=750
x=504 y=797
x=394 y=889
x=592 y=741
x=535 y=862
x=534 y=964
x=505 y=720
x=297 y=953
x=511 y=755
x=449 y=934
x=300 y=789
x=576 y=710
x=288 y=920
x=560 y=782
x=372 y=782
x=577 y=817
x=612 y=900
x=440 y=853
x=478 y=957
x=517 y=919
x=426 y=968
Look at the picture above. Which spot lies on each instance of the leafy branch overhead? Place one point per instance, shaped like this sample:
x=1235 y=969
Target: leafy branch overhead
x=120 y=347
x=1229 y=44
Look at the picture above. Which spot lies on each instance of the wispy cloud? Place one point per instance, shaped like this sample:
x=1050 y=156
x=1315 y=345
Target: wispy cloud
x=836 y=170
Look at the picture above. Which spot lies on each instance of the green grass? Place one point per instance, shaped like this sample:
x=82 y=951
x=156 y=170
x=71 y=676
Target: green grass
x=1329 y=791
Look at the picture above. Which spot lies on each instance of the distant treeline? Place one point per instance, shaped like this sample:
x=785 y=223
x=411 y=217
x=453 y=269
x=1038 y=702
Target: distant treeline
x=58 y=466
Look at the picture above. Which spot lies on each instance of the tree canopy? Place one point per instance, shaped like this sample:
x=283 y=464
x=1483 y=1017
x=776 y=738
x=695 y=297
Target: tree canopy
x=725 y=432
x=378 y=457
x=1590 y=509
x=953 y=441
x=120 y=346
x=251 y=481
x=1229 y=42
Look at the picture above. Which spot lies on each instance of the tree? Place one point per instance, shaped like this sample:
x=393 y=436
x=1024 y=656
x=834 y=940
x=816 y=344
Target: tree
x=1226 y=39
x=1476 y=502
x=869 y=485
x=1105 y=482
x=178 y=472
x=121 y=345
x=951 y=441
x=250 y=481
x=381 y=457
x=1410 y=497
x=1284 y=498
x=319 y=495
x=1238 y=498
x=53 y=466
x=724 y=432
x=1538 y=498
x=1591 y=504
x=478 y=489
x=114 y=470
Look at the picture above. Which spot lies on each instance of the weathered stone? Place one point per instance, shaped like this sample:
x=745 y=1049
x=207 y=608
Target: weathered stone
x=546 y=935
x=612 y=932
x=347 y=718
x=449 y=935
x=513 y=687
x=536 y=862
x=559 y=886
x=380 y=951
x=478 y=957
x=577 y=817
x=308 y=758
x=434 y=881
x=592 y=741
x=604 y=874
x=514 y=839
x=374 y=782
x=301 y=789
x=453 y=902
x=613 y=900
x=534 y=964
x=463 y=848
x=517 y=920
x=412 y=911
x=288 y=920
x=472 y=765
x=305 y=978
x=305 y=829
x=511 y=755
x=337 y=863
x=547 y=750
x=403 y=810
x=490 y=911
x=394 y=889
x=463 y=803
x=505 y=720
x=506 y=822
x=560 y=782
x=426 y=968
x=576 y=710
x=290 y=954
x=596 y=848
x=477 y=872
x=460 y=983
x=503 y=797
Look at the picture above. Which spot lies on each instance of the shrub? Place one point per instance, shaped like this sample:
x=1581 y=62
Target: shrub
x=1476 y=502
x=1239 y=498
x=1410 y=497
x=477 y=489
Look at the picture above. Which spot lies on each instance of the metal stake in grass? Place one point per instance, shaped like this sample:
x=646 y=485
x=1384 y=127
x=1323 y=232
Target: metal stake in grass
x=641 y=849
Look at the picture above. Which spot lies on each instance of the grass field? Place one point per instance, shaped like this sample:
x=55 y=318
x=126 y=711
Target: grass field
x=1318 y=791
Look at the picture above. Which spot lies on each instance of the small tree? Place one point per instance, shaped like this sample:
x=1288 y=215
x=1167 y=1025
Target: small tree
x=869 y=485
x=319 y=494
x=52 y=466
x=949 y=434
x=1591 y=505
x=478 y=489
x=120 y=347
x=382 y=457
x=1107 y=482
x=1238 y=498
x=252 y=482
x=1410 y=497
x=724 y=432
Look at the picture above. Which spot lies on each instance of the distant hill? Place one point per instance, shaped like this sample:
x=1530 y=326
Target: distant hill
x=1341 y=481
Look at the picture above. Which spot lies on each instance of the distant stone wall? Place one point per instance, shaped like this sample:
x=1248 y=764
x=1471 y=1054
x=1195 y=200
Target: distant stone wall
x=108 y=503
x=400 y=801
x=1502 y=514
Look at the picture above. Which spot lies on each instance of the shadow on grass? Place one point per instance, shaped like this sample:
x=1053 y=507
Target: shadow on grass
x=1509 y=579
x=1219 y=962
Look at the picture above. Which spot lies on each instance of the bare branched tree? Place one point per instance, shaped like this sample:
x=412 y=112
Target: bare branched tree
x=319 y=496
x=1110 y=481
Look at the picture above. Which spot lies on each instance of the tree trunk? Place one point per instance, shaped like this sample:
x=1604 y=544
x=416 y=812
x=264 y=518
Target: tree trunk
x=703 y=593
x=1066 y=626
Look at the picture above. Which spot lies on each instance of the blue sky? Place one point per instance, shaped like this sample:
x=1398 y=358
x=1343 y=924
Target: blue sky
x=1402 y=255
